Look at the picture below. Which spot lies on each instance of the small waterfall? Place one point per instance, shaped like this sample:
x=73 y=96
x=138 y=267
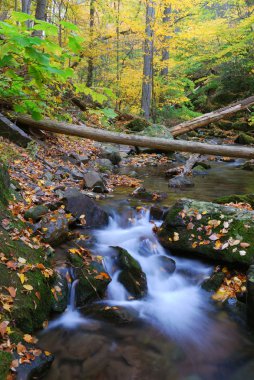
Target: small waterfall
x=72 y=295
x=175 y=304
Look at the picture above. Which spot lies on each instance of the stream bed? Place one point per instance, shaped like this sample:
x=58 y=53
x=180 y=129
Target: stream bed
x=176 y=332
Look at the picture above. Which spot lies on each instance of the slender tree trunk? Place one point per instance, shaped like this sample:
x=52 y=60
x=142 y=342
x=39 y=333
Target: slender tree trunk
x=90 y=69
x=165 y=50
x=26 y=6
x=148 y=60
x=118 y=55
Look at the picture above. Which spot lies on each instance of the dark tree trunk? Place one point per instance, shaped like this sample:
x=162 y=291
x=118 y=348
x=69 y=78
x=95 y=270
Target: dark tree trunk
x=148 y=60
x=90 y=69
x=165 y=50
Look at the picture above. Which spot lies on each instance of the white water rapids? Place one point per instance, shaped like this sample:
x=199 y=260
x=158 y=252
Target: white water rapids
x=175 y=303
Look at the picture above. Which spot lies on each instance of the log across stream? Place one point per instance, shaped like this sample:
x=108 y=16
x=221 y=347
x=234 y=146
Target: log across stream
x=175 y=333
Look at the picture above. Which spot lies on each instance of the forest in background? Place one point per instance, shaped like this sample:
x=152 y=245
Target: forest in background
x=168 y=60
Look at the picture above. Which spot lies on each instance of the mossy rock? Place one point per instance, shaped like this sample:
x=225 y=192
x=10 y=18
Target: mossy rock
x=36 y=213
x=209 y=230
x=4 y=184
x=156 y=130
x=137 y=125
x=131 y=275
x=93 y=280
x=234 y=198
x=214 y=282
x=248 y=166
x=5 y=362
x=244 y=139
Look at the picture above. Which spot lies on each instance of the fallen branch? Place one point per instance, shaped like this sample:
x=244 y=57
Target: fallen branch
x=134 y=140
x=211 y=117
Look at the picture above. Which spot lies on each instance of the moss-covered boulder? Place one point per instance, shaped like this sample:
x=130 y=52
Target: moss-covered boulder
x=248 y=166
x=137 y=124
x=235 y=198
x=36 y=213
x=213 y=283
x=209 y=230
x=131 y=275
x=244 y=139
x=157 y=130
x=4 y=184
x=93 y=280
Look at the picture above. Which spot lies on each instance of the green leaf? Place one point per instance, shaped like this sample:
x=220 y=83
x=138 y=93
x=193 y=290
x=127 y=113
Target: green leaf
x=39 y=57
x=21 y=17
x=109 y=113
x=49 y=29
x=74 y=44
x=69 y=25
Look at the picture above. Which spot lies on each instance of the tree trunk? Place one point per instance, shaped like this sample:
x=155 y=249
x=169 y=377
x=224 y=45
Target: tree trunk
x=26 y=5
x=90 y=69
x=40 y=14
x=148 y=60
x=211 y=117
x=165 y=50
x=134 y=140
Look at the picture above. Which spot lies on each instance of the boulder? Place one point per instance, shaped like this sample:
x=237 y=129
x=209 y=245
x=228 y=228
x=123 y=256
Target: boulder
x=157 y=130
x=93 y=280
x=36 y=213
x=235 y=198
x=144 y=195
x=131 y=276
x=92 y=180
x=34 y=368
x=248 y=166
x=209 y=230
x=180 y=182
x=213 y=283
x=60 y=292
x=164 y=265
x=80 y=204
x=137 y=124
x=111 y=153
x=199 y=170
x=244 y=139
x=118 y=315
x=157 y=213
x=103 y=164
x=55 y=228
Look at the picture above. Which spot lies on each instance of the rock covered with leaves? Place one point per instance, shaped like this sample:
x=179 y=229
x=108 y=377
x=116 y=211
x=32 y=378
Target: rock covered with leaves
x=209 y=230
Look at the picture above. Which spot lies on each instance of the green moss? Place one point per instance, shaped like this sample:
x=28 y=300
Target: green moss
x=137 y=125
x=5 y=362
x=246 y=198
x=192 y=231
x=244 y=139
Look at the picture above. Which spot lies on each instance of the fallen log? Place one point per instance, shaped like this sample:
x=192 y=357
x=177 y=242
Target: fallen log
x=211 y=117
x=10 y=131
x=135 y=140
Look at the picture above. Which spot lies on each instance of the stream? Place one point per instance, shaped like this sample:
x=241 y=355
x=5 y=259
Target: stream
x=177 y=332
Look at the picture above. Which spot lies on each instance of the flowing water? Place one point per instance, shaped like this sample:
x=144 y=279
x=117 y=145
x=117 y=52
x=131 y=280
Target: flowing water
x=177 y=332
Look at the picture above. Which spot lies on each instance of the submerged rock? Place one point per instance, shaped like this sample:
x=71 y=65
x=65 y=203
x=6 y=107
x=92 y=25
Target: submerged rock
x=180 y=182
x=209 y=230
x=131 y=276
x=113 y=314
x=79 y=204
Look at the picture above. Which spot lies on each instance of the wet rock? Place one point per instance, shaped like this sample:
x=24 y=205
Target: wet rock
x=36 y=213
x=55 y=228
x=78 y=159
x=35 y=368
x=80 y=204
x=180 y=182
x=248 y=166
x=203 y=164
x=131 y=276
x=93 y=280
x=111 y=153
x=144 y=195
x=157 y=213
x=250 y=296
x=213 y=283
x=92 y=179
x=209 y=230
x=199 y=170
x=167 y=265
x=244 y=139
x=60 y=293
x=113 y=314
